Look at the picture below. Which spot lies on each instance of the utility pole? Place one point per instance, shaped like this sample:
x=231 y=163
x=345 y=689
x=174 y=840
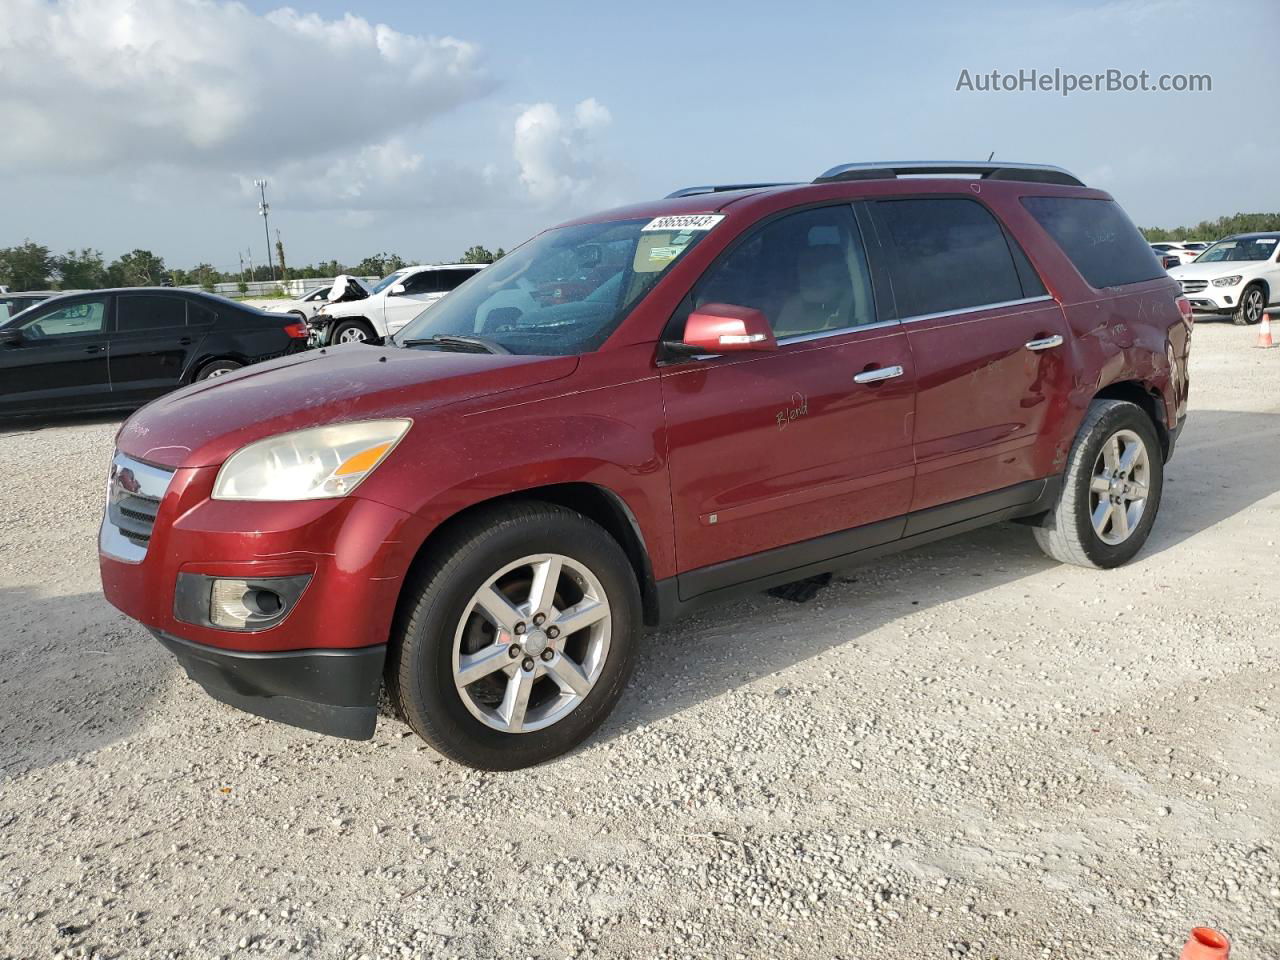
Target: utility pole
x=252 y=275
x=263 y=207
x=284 y=271
x=241 y=255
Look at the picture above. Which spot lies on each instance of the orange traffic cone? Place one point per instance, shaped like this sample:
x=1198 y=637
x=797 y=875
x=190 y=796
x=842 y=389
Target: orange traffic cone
x=1264 y=334
x=1206 y=943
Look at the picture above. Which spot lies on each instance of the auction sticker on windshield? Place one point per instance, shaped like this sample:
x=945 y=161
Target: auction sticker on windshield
x=687 y=221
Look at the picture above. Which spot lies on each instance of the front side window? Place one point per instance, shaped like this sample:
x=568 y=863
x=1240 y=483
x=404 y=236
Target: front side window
x=427 y=281
x=85 y=317
x=565 y=291
x=949 y=254
x=387 y=281
x=807 y=272
x=1239 y=250
x=1098 y=238
x=139 y=313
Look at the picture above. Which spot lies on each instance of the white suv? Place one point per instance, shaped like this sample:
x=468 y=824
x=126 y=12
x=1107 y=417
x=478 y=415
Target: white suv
x=1237 y=277
x=395 y=300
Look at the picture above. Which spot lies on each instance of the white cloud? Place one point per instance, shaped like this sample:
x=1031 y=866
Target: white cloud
x=96 y=85
x=556 y=155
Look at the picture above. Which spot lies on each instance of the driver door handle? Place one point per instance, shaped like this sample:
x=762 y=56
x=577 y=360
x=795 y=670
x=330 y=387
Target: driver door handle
x=1048 y=343
x=878 y=374
x=95 y=348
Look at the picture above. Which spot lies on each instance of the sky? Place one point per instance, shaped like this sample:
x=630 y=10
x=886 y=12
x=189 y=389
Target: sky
x=421 y=128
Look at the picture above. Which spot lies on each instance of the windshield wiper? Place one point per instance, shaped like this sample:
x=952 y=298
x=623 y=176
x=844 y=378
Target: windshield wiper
x=483 y=344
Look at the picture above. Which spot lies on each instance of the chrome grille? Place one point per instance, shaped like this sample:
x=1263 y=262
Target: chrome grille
x=1193 y=286
x=134 y=492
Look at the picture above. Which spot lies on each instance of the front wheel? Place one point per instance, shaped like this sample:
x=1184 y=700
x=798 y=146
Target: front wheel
x=515 y=641
x=1252 y=304
x=1110 y=490
x=351 y=331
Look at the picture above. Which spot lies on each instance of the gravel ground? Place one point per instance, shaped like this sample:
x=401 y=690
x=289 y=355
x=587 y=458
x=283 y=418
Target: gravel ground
x=962 y=751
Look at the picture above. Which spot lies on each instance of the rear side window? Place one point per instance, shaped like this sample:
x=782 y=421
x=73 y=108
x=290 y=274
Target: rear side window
x=149 y=313
x=453 y=278
x=198 y=316
x=1098 y=238
x=949 y=254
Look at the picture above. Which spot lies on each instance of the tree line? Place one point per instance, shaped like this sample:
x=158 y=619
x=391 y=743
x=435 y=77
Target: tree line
x=33 y=266
x=1216 y=229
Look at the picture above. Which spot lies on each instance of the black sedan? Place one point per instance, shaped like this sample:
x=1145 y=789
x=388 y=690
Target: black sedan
x=117 y=349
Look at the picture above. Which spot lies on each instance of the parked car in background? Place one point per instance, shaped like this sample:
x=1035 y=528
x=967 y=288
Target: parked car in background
x=12 y=304
x=395 y=300
x=1236 y=277
x=640 y=413
x=117 y=349
x=313 y=301
x=1167 y=260
x=1182 y=251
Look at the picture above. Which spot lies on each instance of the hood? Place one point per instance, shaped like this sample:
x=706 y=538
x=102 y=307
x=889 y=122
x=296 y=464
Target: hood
x=203 y=424
x=1207 y=271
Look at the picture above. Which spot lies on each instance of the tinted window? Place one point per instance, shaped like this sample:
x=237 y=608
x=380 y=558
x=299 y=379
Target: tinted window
x=807 y=272
x=149 y=313
x=84 y=317
x=425 y=282
x=200 y=316
x=449 y=279
x=949 y=254
x=1099 y=239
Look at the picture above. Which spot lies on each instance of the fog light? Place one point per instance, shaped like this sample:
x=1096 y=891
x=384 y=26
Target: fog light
x=236 y=604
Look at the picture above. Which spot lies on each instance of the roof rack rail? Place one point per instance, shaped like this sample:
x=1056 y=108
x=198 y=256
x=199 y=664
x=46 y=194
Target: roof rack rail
x=722 y=188
x=1027 y=172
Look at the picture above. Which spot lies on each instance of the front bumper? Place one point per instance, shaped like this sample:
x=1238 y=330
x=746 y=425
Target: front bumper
x=334 y=692
x=1212 y=299
x=318 y=667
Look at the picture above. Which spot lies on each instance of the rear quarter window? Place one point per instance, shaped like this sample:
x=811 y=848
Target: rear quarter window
x=1098 y=238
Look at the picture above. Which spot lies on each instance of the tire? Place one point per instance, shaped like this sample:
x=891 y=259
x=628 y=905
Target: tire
x=352 y=331
x=1068 y=533
x=218 y=368
x=1252 y=302
x=439 y=622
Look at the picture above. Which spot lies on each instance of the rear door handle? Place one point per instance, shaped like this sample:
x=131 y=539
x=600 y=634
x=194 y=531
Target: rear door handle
x=1048 y=343
x=96 y=348
x=185 y=342
x=878 y=374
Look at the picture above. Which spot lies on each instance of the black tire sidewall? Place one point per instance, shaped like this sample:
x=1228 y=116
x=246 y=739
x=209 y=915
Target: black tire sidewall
x=427 y=691
x=1122 y=417
x=208 y=369
x=344 y=325
x=1241 y=316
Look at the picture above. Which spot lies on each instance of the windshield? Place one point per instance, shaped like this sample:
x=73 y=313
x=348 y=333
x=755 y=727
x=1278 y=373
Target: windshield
x=564 y=291
x=387 y=281
x=1246 y=248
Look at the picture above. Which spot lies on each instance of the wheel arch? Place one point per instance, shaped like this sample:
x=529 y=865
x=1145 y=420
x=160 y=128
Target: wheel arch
x=597 y=503
x=1148 y=398
x=193 y=372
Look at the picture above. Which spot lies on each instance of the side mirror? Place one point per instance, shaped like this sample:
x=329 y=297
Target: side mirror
x=396 y=289
x=10 y=336
x=726 y=328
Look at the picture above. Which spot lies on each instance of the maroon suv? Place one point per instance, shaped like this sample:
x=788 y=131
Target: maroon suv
x=732 y=389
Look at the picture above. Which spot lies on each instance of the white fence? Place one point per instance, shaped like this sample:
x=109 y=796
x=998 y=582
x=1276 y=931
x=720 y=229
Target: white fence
x=269 y=288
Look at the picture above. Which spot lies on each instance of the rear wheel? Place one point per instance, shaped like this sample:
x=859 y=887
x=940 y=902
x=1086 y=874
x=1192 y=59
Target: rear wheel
x=515 y=642
x=218 y=368
x=1110 y=491
x=352 y=331
x=1252 y=302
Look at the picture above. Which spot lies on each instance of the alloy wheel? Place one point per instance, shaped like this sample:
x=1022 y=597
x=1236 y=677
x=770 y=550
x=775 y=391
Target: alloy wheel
x=1119 y=487
x=531 y=643
x=1253 y=305
x=353 y=335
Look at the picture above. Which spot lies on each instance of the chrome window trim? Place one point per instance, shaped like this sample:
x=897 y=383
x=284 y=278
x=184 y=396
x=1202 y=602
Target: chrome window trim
x=824 y=334
x=974 y=309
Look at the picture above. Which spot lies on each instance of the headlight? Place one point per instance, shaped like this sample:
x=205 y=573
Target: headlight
x=1228 y=281
x=309 y=464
